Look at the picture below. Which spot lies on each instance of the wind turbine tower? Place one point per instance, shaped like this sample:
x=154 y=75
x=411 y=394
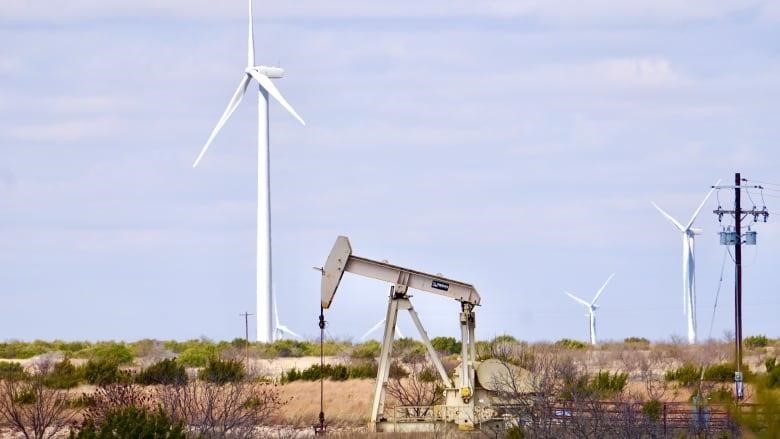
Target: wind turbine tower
x=592 y=307
x=688 y=264
x=262 y=75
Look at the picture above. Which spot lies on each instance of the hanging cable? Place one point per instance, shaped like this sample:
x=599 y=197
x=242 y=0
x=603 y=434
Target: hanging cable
x=717 y=293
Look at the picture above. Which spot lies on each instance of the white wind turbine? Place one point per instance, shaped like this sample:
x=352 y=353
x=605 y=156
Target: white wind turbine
x=279 y=329
x=377 y=326
x=591 y=307
x=688 y=264
x=262 y=75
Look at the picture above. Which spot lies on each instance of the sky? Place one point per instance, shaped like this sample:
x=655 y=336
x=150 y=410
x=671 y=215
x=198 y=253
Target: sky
x=514 y=145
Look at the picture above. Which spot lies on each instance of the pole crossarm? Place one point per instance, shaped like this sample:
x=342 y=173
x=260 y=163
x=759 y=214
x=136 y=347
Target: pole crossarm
x=342 y=260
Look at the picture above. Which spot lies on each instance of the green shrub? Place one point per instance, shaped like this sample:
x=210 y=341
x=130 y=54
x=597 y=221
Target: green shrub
x=23 y=350
x=772 y=378
x=197 y=354
x=167 y=371
x=722 y=373
x=101 y=373
x=11 y=371
x=756 y=341
x=363 y=369
x=567 y=343
x=686 y=375
x=222 y=371
x=366 y=351
x=132 y=423
x=606 y=384
x=637 y=341
x=108 y=352
x=335 y=372
x=64 y=375
x=446 y=345
x=652 y=409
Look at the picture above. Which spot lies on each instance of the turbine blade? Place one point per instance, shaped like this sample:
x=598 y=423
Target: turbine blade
x=231 y=107
x=577 y=299
x=269 y=86
x=250 y=59
x=669 y=217
x=695 y=214
x=601 y=290
x=373 y=328
x=282 y=328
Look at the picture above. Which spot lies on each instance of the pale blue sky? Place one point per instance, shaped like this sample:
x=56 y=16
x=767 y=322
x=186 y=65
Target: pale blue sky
x=513 y=145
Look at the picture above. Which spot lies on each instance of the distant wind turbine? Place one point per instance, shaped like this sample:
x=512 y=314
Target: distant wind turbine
x=279 y=329
x=688 y=264
x=262 y=75
x=591 y=307
x=377 y=326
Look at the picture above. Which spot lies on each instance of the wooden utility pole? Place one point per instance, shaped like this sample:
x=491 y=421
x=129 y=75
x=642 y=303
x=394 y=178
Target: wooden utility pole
x=736 y=241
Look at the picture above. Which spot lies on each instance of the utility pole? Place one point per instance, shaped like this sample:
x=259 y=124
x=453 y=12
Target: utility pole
x=246 y=338
x=735 y=238
x=246 y=326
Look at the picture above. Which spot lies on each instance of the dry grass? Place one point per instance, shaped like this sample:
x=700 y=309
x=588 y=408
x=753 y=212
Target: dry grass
x=347 y=403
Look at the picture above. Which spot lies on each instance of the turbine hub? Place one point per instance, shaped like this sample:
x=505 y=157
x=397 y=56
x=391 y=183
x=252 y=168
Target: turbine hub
x=271 y=72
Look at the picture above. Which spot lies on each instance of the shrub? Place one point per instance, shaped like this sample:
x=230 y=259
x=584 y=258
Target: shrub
x=686 y=375
x=11 y=371
x=64 y=375
x=721 y=373
x=606 y=384
x=567 y=343
x=109 y=352
x=132 y=422
x=637 y=341
x=197 y=354
x=446 y=345
x=756 y=341
x=367 y=351
x=772 y=373
x=101 y=373
x=335 y=372
x=652 y=409
x=222 y=371
x=365 y=369
x=163 y=372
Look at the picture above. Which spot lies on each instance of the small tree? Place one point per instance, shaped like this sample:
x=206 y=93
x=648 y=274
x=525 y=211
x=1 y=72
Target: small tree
x=417 y=389
x=222 y=371
x=31 y=408
x=213 y=410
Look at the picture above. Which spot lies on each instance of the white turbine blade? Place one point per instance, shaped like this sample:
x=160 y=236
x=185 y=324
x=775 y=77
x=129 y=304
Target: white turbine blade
x=669 y=217
x=231 y=107
x=601 y=290
x=398 y=332
x=269 y=86
x=578 y=299
x=695 y=214
x=282 y=328
x=250 y=59
x=373 y=328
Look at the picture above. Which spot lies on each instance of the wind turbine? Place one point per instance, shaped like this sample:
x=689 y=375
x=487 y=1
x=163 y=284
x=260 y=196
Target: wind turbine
x=377 y=326
x=262 y=75
x=280 y=329
x=591 y=307
x=688 y=264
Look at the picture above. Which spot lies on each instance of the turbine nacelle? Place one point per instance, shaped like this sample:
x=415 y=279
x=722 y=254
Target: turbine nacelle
x=695 y=231
x=270 y=72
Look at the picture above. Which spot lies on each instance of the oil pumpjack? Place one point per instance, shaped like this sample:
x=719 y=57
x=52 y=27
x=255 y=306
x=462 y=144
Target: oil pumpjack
x=463 y=394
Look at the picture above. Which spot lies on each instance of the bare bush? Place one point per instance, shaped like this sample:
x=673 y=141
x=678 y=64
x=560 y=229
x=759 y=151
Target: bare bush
x=211 y=410
x=419 y=390
x=33 y=410
x=109 y=397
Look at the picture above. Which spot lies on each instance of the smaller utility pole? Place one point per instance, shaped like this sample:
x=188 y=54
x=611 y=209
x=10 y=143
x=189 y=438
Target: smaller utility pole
x=735 y=238
x=246 y=338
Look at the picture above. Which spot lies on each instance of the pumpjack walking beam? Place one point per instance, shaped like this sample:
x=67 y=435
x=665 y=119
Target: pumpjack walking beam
x=342 y=260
